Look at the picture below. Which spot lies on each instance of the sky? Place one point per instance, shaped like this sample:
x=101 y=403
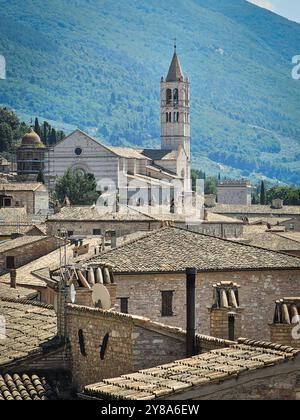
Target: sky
x=287 y=8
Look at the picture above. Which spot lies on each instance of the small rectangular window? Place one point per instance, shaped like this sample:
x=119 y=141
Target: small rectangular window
x=70 y=233
x=124 y=305
x=97 y=232
x=167 y=303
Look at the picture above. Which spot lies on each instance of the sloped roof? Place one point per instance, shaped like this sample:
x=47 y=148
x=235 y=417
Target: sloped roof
x=128 y=152
x=173 y=250
x=20 y=293
x=26 y=387
x=255 y=209
x=271 y=240
x=213 y=367
x=87 y=213
x=21 y=186
x=175 y=71
x=160 y=154
x=29 y=327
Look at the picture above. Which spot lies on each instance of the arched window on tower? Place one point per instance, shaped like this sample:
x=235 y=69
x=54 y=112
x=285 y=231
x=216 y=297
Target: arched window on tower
x=169 y=96
x=175 y=97
x=170 y=117
x=167 y=117
x=177 y=117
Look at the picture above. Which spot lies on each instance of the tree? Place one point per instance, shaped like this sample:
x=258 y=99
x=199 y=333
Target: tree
x=80 y=187
x=37 y=127
x=263 y=194
x=6 y=137
x=53 y=137
x=40 y=177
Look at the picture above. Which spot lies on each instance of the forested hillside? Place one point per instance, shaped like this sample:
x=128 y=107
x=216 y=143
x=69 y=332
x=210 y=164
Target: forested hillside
x=96 y=64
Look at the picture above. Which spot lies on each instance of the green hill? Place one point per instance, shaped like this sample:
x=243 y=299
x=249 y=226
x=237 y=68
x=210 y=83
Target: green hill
x=96 y=64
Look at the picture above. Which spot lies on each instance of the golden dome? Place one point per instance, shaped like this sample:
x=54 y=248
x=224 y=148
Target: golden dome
x=32 y=139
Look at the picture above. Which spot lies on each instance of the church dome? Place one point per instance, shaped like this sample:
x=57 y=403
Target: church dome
x=32 y=139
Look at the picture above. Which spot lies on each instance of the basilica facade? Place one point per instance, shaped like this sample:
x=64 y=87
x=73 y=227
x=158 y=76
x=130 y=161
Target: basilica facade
x=153 y=167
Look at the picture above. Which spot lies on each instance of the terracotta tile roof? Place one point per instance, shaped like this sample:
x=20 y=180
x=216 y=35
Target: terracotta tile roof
x=255 y=209
x=29 y=328
x=26 y=387
x=277 y=241
x=20 y=186
x=18 y=216
x=189 y=374
x=88 y=213
x=20 y=293
x=174 y=249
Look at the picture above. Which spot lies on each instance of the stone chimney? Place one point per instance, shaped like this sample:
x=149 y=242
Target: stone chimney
x=13 y=278
x=285 y=328
x=226 y=313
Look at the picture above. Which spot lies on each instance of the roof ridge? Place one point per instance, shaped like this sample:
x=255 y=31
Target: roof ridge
x=154 y=232
x=26 y=301
x=269 y=345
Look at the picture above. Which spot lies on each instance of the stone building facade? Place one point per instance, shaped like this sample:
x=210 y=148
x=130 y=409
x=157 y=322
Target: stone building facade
x=33 y=197
x=153 y=267
x=18 y=252
x=234 y=192
x=115 y=168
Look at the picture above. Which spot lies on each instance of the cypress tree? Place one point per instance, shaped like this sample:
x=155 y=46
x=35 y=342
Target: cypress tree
x=263 y=197
x=37 y=127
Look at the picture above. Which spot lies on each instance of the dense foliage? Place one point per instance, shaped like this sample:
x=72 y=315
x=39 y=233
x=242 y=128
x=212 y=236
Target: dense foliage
x=79 y=187
x=97 y=65
x=12 y=130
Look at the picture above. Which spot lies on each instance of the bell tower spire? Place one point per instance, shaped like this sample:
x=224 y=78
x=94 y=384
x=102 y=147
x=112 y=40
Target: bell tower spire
x=175 y=108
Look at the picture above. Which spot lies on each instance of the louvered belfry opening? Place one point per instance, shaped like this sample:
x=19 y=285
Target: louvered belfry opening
x=225 y=312
x=285 y=328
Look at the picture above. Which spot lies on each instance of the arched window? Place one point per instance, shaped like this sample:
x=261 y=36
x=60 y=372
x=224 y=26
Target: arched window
x=177 y=117
x=170 y=117
x=167 y=117
x=175 y=97
x=169 y=96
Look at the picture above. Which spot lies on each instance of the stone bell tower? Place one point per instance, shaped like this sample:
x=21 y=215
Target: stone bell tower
x=175 y=109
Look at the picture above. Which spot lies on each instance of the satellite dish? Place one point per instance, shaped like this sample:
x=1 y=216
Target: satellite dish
x=101 y=297
x=72 y=293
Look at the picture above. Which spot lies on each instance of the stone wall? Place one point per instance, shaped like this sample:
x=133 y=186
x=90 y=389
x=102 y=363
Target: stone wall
x=289 y=335
x=134 y=343
x=29 y=252
x=219 y=323
x=87 y=227
x=258 y=292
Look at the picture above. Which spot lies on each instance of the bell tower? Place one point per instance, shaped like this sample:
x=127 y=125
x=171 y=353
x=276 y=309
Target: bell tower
x=175 y=108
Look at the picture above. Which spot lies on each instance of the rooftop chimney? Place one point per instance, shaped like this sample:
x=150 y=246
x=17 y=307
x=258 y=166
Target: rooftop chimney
x=190 y=311
x=13 y=278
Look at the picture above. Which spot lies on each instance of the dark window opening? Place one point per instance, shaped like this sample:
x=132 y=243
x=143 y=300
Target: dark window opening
x=70 y=233
x=124 y=305
x=169 y=96
x=78 y=151
x=10 y=263
x=176 y=97
x=231 y=327
x=97 y=232
x=81 y=343
x=167 y=303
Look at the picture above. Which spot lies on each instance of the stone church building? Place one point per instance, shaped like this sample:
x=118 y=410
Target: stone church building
x=152 y=167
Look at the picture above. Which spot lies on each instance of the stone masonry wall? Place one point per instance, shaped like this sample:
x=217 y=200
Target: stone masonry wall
x=283 y=334
x=258 y=292
x=151 y=348
x=30 y=252
x=86 y=228
x=133 y=344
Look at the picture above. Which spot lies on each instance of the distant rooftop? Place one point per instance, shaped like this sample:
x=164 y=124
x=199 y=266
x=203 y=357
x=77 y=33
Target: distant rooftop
x=255 y=209
x=21 y=186
x=173 y=249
